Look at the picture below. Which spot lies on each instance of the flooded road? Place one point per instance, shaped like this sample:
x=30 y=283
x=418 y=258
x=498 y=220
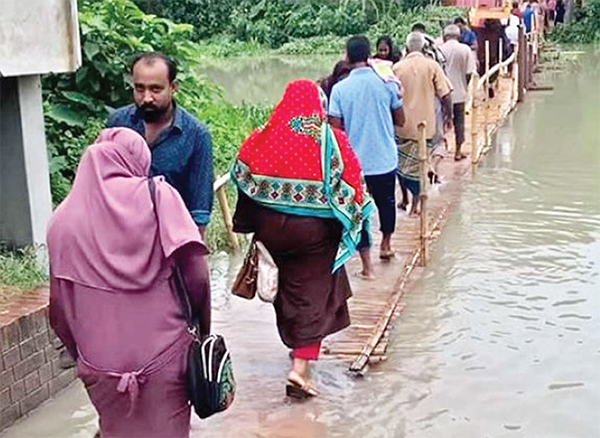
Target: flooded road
x=499 y=338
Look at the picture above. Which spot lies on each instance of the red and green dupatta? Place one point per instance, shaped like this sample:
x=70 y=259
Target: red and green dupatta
x=298 y=164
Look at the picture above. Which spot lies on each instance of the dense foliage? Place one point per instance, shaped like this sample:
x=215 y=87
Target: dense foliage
x=584 y=27
x=277 y=22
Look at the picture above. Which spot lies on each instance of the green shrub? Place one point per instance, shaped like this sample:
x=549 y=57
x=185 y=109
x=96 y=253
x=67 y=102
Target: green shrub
x=207 y=16
x=20 y=270
x=584 y=27
x=323 y=45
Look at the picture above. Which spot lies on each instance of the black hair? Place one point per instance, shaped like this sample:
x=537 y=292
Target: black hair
x=342 y=68
x=393 y=56
x=150 y=57
x=358 y=49
x=418 y=27
x=460 y=20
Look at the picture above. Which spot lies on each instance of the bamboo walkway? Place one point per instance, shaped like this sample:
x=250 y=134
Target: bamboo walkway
x=376 y=302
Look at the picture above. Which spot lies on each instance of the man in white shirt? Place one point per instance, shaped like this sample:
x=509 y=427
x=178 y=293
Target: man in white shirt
x=460 y=65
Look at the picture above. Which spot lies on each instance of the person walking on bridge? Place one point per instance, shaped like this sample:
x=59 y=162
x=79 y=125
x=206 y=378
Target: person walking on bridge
x=460 y=66
x=367 y=108
x=112 y=250
x=301 y=194
x=422 y=80
x=181 y=145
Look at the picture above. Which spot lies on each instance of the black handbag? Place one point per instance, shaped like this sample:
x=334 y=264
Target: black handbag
x=209 y=377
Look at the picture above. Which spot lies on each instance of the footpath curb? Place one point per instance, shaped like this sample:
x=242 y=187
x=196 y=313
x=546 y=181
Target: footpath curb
x=30 y=371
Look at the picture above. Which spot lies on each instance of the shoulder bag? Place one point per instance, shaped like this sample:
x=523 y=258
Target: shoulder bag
x=209 y=375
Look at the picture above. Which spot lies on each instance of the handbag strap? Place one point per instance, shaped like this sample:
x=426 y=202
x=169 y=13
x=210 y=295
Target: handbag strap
x=177 y=280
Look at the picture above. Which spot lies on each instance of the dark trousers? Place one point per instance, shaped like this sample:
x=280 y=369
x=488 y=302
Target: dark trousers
x=458 y=118
x=383 y=190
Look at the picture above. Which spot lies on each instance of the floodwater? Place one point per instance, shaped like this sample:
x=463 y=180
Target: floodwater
x=499 y=338
x=262 y=80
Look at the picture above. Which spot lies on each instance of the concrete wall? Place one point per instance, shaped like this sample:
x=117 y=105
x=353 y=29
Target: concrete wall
x=38 y=37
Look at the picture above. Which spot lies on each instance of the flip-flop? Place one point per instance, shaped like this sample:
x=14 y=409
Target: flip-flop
x=299 y=388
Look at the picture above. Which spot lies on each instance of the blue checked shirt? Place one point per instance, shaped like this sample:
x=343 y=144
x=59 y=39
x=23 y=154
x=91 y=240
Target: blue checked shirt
x=182 y=154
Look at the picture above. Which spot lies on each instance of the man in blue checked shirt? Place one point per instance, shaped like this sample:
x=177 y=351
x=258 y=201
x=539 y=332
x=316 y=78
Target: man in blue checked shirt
x=181 y=145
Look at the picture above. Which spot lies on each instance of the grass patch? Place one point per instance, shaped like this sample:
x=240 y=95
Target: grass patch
x=21 y=270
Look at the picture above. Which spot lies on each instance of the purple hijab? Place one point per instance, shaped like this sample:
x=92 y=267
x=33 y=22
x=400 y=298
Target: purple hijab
x=105 y=234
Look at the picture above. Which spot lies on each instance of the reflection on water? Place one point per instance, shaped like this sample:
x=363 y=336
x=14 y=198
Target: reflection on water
x=264 y=79
x=500 y=338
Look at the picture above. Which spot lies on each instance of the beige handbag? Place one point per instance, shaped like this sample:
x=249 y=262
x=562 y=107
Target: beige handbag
x=268 y=274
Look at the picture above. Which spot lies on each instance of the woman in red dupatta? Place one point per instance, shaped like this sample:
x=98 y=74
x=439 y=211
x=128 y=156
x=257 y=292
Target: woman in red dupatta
x=301 y=193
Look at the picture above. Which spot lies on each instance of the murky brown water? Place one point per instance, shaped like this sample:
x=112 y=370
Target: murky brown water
x=500 y=338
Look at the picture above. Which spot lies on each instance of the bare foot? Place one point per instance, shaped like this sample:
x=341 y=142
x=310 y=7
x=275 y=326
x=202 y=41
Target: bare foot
x=369 y=276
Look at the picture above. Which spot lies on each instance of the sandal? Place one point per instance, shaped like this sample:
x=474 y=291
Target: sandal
x=299 y=388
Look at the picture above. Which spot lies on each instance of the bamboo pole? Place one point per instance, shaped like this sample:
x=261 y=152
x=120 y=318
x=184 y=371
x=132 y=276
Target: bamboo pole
x=514 y=78
x=500 y=56
x=486 y=94
x=423 y=190
x=522 y=50
x=363 y=358
x=227 y=219
x=474 y=107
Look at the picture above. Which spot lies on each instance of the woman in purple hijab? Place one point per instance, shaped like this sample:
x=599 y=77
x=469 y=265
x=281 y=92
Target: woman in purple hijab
x=111 y=255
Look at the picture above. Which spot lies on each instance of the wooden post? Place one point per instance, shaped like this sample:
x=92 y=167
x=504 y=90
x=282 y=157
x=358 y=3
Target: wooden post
x=227 y=218
x=423 y=190
x=500 y=57
x=474 y=106
x=522 y=50
x=529 y=62
x=486 y=95
x=514 y=80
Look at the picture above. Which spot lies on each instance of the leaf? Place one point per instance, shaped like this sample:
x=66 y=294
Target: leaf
x=81 y=74
x=81 y=98
x=64 y=114
x=90 y=49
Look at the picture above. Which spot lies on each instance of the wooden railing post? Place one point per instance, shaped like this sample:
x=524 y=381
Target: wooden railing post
x=514 y=78
x=521 y=56
x=500 y=57
x=474 y=107
x=219 y=187
x=423 y=168
x=486 y=95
